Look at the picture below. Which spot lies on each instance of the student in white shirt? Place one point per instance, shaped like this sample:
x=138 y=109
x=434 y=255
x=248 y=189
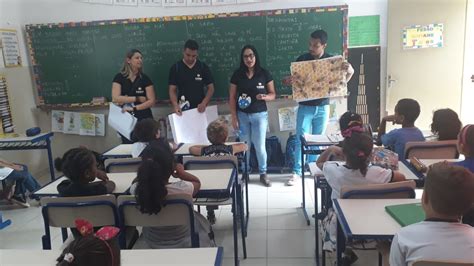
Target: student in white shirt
x=447 y=195
x=356 y=170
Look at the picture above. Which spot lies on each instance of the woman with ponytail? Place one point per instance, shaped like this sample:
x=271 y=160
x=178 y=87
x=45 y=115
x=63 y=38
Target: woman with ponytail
x=356 y=170
x=151 y=187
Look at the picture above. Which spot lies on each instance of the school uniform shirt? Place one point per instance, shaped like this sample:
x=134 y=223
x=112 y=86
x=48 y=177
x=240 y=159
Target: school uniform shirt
x=396 y=139
x=433 y=240
x=137 y=89
x=217 y=150
x=309 y=57
x=467 y=163
x=67 y=188
x=190 y=82
x=338 y=175
x=248 y=89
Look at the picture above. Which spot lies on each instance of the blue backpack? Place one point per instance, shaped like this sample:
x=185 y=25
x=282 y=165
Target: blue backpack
x=290 y=151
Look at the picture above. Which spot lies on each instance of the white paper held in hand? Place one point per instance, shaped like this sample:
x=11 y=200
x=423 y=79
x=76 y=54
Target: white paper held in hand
x=124 y=123
x=191 y=126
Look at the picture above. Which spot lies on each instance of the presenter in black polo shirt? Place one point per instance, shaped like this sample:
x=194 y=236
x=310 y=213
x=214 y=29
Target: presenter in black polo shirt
x=251 y=86
x=132 y=89
x=188 y=79
x=313 y=115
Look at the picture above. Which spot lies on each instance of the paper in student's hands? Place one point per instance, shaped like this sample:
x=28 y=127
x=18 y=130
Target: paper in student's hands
x=124 y=122
x=191 y=126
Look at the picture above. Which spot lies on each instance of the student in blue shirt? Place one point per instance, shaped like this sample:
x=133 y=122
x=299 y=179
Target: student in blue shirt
x=406 y=113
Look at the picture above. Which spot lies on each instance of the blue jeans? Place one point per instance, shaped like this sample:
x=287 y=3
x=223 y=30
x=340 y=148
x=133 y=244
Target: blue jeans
x=253 y=129
x=313 y=120
x=24 y=181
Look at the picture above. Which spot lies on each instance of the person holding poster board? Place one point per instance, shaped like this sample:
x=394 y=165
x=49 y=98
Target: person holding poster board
x=313 y=115
x=251 y=86
x=132 y=89
x=187 y=79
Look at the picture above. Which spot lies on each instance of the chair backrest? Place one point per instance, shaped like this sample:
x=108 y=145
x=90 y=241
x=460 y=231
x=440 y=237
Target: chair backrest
x=441 y=263
x=122 y=165
x=445 y=149
x=206 y=162
x=177 y=210
x=396 y=190
x=63 y=211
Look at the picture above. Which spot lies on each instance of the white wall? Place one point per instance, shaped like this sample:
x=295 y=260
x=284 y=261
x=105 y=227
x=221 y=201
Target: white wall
x=16 y=13
x=467 y=108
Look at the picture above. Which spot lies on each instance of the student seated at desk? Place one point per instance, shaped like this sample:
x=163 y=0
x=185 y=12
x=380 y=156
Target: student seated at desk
x=80 y=167
x=446 y=124
x=18 y=182
x=217 y=134
x=447 y=195
x=151 y=188
x=356 y=170
x=466 y=147
x=406 y=113
x=145 y=131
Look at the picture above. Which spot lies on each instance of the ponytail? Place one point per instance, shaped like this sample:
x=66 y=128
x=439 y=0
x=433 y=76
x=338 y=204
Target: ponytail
x=357 y=148
x=151 y=187
x=153 y=174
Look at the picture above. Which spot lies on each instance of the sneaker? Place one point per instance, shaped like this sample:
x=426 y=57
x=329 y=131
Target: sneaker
x=20 y=200
x=265 y=181
x=292 y=180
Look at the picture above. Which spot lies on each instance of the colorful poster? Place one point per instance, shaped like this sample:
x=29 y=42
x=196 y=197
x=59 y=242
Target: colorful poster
x=287 y=118
x=72 y=123
x=57 y=121
x=223 y=2
x=419 y=36
x=10 y=47
x=317 y=79
x=100 y=125
x=198 y=2
x=174 y=3
x=149 y=3
x=87 y=124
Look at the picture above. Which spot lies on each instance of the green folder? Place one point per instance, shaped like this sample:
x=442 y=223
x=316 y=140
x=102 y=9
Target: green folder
x=406 y=214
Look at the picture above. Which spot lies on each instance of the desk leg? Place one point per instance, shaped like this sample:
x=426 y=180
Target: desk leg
x=234 y=222
x=303 y=204
x=247 y=179
x=50 y=159
x=316 y=224
x=341 y=243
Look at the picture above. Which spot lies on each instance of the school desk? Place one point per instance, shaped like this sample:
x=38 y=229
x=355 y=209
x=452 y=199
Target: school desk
x=38 y=142
x=312 y=145
x=321 y=184
x=158 y=257
x=365 y=219
x=120 y=151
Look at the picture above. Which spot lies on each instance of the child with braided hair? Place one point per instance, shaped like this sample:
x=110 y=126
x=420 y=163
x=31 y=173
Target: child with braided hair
x=356 y=170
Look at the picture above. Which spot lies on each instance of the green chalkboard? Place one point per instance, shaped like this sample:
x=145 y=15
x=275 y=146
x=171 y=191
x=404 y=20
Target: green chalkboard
x=74 y=62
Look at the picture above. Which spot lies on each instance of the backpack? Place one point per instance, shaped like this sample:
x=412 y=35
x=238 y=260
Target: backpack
x=290 y=151
x=275 y=158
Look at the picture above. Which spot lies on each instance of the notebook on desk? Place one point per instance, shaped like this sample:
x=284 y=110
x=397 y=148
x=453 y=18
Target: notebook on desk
x=406 y=214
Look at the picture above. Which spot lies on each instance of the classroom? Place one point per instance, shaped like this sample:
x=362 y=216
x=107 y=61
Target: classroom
x=63 y=65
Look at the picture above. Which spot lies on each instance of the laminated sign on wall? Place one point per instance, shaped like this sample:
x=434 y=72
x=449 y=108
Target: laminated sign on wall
x=319 y=79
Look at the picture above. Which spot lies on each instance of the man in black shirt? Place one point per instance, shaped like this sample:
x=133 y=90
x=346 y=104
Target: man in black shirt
x=313 y=115
x=188 y=79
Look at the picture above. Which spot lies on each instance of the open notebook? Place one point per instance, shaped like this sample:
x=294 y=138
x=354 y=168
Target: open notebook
x=406 y=214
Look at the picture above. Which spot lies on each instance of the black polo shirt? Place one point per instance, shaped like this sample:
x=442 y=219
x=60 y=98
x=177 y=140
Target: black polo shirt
x=135 y=88
x=308 y=57
x=190 y=82
x=249 y=88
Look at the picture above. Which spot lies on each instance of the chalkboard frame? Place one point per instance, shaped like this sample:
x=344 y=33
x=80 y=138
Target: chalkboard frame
x=36 y=68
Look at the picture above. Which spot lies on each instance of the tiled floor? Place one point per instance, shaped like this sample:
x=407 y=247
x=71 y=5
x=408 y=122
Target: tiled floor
x=277 y=232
